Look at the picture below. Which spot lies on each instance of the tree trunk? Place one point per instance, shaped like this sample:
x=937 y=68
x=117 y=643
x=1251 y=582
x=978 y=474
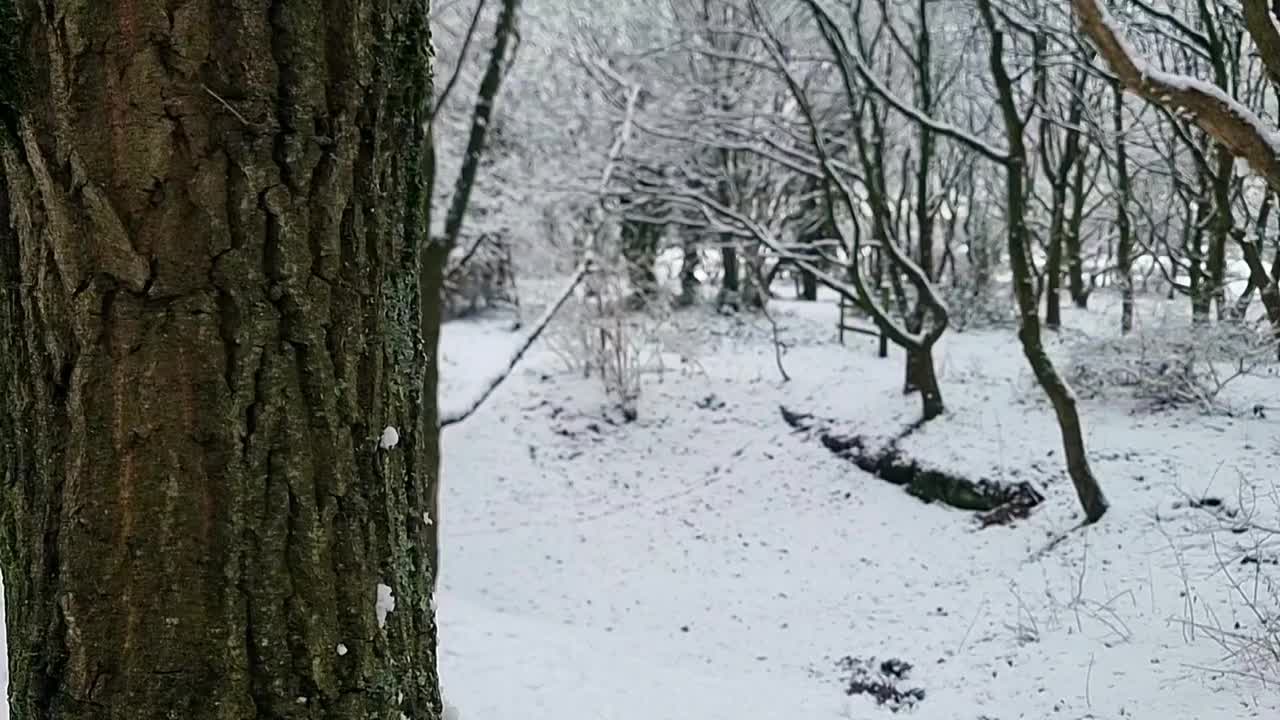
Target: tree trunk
x=924 y=379
x=216 y=302
x=1074 y=242
x=1199 y=284
x=690 y=261
x=1053 y=280
x=1222 y=226
x=808 y=286
x=1124 y=245
x=730 y=285
x=1059 y=393
x=1059 y=175
x=640 y=252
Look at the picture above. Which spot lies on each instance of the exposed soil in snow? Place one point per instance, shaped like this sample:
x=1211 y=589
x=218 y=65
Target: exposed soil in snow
x=999 y=503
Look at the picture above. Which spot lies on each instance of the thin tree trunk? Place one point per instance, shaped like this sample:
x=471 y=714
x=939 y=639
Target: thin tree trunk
x=689 y=284
x=1199 y=282
x=730 y=282
x=1074 y=241
x=218 y=323
x=1059 y=178
x=1059 y=393
x=1221 y=231
x=481 y=122
x=1124 y=246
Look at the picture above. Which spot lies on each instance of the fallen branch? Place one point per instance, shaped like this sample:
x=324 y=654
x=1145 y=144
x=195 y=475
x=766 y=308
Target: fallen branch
x=456 y=415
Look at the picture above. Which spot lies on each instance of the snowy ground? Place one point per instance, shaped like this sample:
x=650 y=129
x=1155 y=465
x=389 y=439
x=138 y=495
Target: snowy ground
x=707 y=563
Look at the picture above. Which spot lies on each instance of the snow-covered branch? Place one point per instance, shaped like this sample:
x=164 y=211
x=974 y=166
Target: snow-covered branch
x=1229 y=121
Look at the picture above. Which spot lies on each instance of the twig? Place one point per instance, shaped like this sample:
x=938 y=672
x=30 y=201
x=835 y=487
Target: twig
x=1088 y=676
x=226 y=105
x=982 y=606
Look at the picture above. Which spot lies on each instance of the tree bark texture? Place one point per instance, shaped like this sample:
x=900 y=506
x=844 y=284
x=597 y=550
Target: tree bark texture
x=218 y=311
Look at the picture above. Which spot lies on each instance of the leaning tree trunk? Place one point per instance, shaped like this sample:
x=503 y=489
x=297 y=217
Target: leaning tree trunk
x=1059 y=393
x=218 y=316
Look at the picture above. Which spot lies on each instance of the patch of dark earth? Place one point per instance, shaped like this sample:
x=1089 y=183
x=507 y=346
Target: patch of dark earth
x=997 y=503
x=885 y=681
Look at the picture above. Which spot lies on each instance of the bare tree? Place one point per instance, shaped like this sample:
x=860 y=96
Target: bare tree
x=1055 y=387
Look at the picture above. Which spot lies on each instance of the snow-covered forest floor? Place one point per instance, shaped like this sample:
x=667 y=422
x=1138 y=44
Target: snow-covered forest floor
x=706 y=562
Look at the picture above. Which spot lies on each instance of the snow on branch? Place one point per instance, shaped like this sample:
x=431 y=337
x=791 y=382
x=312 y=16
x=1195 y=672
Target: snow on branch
x=454 y=415
x=1229 y=121
x=1260 y=17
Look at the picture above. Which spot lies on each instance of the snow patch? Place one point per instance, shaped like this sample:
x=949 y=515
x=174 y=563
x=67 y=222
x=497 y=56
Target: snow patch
x=385 y=604
x=390 y=438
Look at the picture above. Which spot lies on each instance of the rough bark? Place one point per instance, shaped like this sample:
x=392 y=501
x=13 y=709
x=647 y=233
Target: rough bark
x=217 y=298
x=1055 y=388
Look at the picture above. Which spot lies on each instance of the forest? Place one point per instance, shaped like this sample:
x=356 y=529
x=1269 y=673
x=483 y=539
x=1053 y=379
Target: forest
x=687 y=359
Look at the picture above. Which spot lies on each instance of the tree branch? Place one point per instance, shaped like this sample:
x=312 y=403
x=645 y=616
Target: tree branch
x=489 y=85
x=453 y=416
x=1228 y=121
